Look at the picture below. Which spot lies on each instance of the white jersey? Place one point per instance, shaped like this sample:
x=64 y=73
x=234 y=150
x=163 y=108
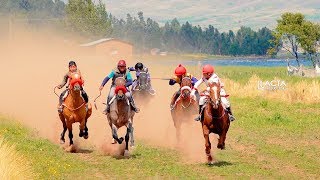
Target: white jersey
x=213 y=78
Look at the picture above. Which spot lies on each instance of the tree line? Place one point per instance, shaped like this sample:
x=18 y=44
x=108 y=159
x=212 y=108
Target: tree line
x=91 y=20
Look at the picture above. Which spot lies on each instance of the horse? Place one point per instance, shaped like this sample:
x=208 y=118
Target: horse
x=185 y=107
x=215 y=119
x=143 y=88
x=74 y=110
x=121 y=114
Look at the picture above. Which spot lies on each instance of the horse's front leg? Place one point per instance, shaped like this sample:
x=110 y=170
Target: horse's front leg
x=62 y=140
x=126 y=152
x=70 y=133
x=82 y=127
x=115 y=134
x=223 y=136
x=206 y=132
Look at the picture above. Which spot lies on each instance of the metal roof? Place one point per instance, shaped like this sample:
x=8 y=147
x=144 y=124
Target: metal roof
x=101 y=41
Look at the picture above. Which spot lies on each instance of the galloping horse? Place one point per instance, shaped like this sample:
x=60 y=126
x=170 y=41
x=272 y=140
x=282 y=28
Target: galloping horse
x=215 y=119
x=74 y=110
x=121 y=114
x=186 y=106
x=143 y=88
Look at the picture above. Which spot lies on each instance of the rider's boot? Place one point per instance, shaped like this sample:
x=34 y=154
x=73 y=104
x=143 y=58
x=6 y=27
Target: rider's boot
x=200 y=113
x=231 y=117
x=133 y=106
x=173 y=101
x=107 y=109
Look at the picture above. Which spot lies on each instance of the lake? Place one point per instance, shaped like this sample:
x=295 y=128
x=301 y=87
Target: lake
x=238 y=62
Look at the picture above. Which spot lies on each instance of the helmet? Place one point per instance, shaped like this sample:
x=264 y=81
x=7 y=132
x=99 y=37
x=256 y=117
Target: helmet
x=180 y=70
x=122 y=63
x=139 y=65
x=207 y=69
x=71 y=63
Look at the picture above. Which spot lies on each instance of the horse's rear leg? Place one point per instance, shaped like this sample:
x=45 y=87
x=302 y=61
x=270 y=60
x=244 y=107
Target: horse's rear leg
x=115 y=134
x=208 y=144
x=126 y=152
x=62 y=140
x=131 y=134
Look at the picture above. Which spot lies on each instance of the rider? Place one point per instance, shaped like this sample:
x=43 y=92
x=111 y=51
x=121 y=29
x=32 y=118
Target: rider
x=138 y=68
x=210 y=76
x=180 y=72
x=72 y=69
x=120 y=71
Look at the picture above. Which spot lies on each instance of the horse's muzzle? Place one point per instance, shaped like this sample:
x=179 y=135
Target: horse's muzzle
x=76 y=87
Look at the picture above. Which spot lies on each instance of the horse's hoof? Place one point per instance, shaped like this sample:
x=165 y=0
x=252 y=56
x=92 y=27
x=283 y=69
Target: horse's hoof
x=71 y=149
x=210 y=163
x=126 y=153
x=80 y=134
x=86 y=136
x=62 y=141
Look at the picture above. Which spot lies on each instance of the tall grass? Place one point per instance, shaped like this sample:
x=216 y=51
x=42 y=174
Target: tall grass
x=299 y=92
x=12 y=164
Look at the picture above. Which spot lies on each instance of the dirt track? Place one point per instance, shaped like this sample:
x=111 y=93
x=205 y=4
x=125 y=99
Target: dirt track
x=33 y=64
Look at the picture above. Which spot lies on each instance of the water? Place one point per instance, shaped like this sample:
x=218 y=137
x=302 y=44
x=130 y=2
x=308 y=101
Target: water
x=239 y=62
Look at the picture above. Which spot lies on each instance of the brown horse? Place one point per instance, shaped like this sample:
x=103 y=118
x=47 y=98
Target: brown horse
x=74 y=110
x=121 y=114
x=215 y=119
x=186 y=106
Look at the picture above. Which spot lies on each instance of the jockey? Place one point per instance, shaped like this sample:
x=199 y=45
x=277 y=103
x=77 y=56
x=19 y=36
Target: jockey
x=210 y=76
x=72 y=69
x=120 y=71
x=139 y=67
x=180 y=72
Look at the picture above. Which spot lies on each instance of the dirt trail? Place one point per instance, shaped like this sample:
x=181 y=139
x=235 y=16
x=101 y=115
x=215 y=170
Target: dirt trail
x=32 y=64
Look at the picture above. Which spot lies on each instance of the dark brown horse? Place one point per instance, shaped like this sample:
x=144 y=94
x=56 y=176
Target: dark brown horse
x=74 y=110
x=121 y=114
x=215 y=119
x=186 y=106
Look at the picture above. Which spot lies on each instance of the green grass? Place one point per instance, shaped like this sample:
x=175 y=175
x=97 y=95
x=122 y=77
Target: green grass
x=268 y=140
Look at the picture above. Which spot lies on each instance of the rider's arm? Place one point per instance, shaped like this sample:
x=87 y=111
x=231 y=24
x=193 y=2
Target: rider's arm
x=106 y=79
x=198 y=83
x=131 y=69
x=173 y=80
x=194 y=80
x=64 y=81
x=129 y=79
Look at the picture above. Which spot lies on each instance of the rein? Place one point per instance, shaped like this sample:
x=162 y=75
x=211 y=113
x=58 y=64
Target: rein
x=224 y=112
x=71 y=109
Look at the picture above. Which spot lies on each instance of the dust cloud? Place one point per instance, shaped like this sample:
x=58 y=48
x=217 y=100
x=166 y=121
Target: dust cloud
x=33 y=63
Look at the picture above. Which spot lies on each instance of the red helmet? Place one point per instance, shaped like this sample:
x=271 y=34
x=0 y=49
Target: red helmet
x=207 y=69
x=180 y=70
x=122 y=63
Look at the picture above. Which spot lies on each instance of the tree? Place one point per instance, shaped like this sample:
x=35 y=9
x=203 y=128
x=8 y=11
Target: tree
x=288 y=31
x=86 y=18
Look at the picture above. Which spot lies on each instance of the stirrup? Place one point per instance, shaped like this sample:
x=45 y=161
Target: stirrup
x=231 y=117
x=171 y=107
x=60 y=109
x=197 y=118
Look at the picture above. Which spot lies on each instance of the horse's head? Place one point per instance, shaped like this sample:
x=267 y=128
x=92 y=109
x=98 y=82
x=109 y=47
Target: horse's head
x=143 y=81
x=186 y=85
x=76 y=82
x=121 y=89
x=215 y=98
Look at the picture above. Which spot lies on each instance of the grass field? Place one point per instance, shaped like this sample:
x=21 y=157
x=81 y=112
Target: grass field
x=269 y=139
x=272 y=138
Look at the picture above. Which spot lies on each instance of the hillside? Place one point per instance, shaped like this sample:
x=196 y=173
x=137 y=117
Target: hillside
x=223 y=15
